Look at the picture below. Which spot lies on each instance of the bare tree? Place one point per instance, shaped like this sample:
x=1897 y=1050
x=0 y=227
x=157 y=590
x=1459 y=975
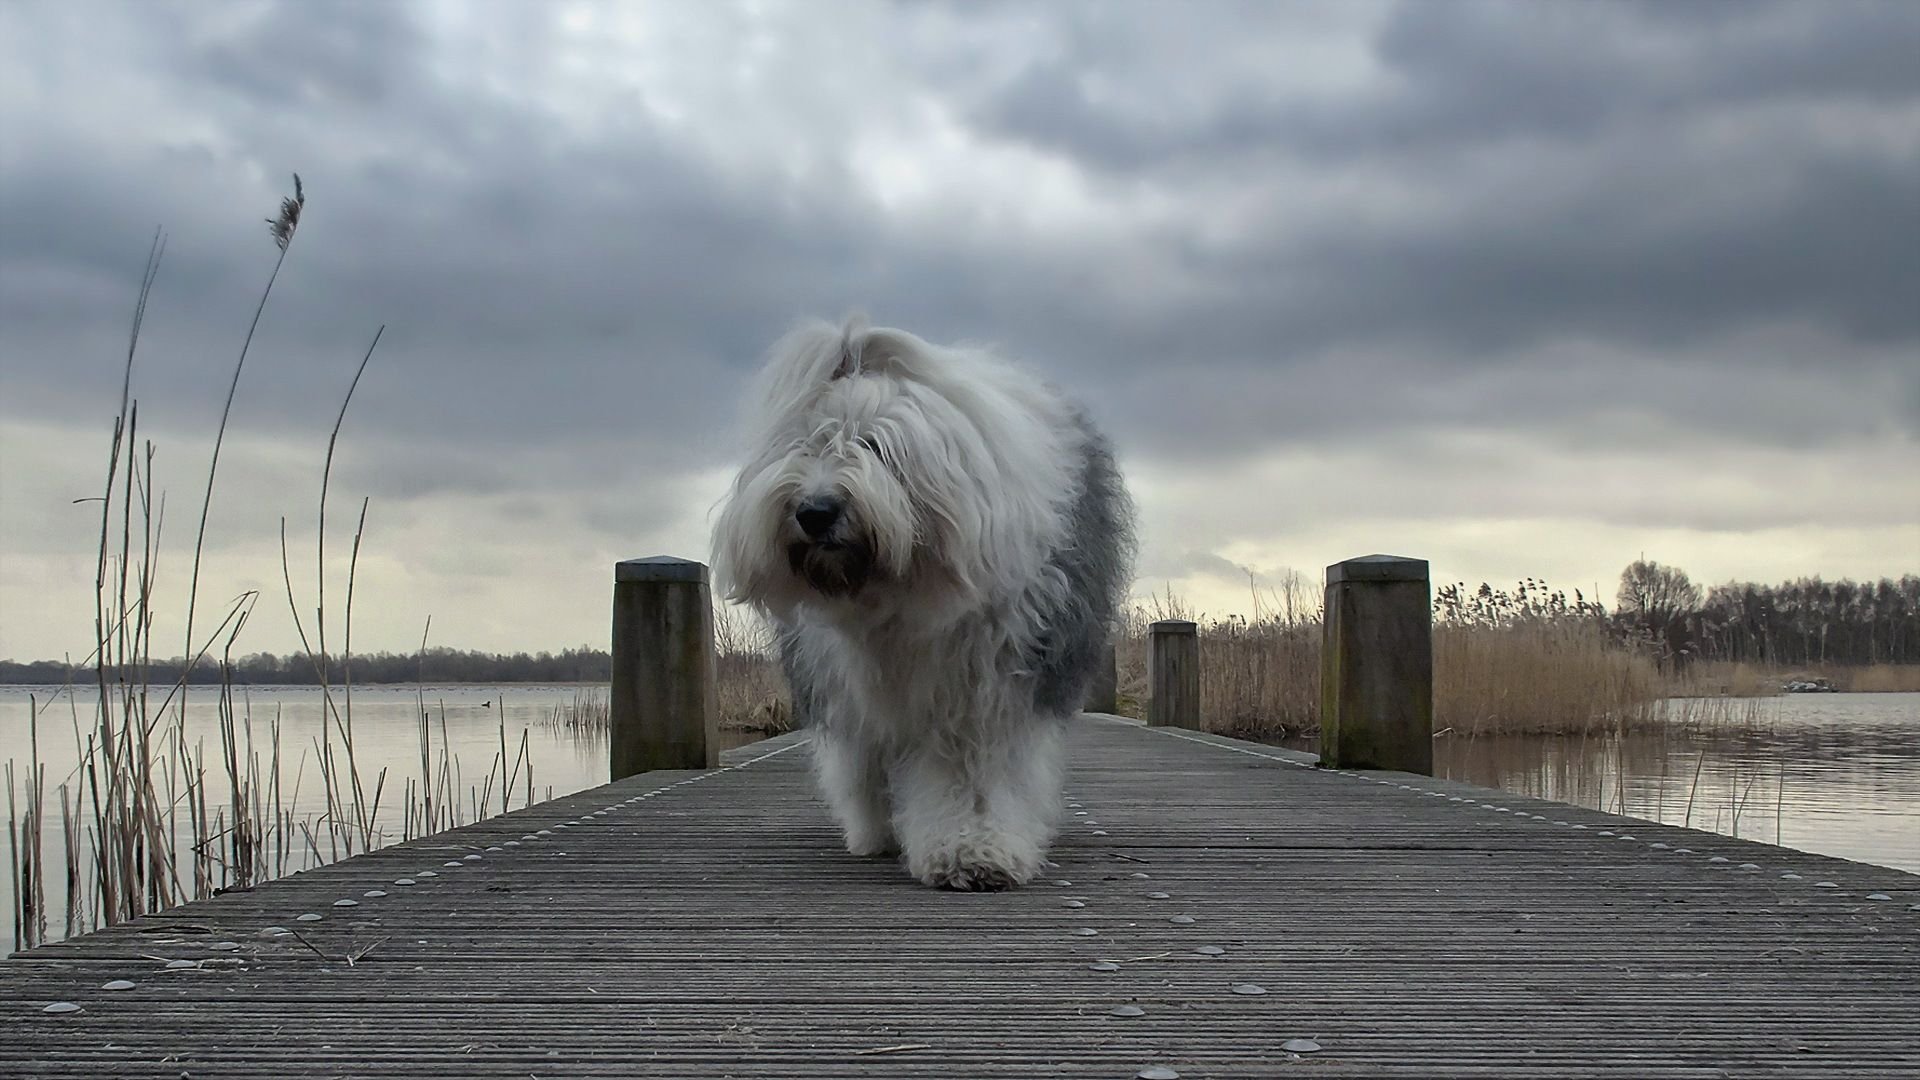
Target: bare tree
x=1659 y=601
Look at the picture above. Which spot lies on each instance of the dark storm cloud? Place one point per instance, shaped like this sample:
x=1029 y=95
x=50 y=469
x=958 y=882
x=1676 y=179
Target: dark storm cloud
x=355 y=53
x=1656 y=255
x=1570 y=152
x=1650 y=176
x=535 y=285
x=539 y=284
x=1450 y=76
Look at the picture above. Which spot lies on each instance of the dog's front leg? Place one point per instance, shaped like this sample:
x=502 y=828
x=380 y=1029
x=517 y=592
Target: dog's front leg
x=854 y=781
x=978 y=816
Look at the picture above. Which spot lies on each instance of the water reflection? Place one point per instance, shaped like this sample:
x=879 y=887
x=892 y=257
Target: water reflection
x=1837 y=774
x=458 y=745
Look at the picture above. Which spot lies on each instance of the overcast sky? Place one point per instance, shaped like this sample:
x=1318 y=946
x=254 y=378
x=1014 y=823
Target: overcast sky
x=1527 y=289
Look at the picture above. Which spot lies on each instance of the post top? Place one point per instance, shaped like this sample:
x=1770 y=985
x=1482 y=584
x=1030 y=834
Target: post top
x=1378 y=568
x=660 y=568
x=1174 y=626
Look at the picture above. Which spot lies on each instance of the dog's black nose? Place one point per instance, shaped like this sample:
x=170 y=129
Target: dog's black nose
x=817 y=516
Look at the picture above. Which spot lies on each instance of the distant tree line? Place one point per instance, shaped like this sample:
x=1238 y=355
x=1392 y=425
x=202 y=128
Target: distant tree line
x=1798 y=623
x=439 y=665
x=1812 y=622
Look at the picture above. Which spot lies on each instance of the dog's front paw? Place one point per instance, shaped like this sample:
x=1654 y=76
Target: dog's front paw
x=866 y=842
x=977 y=864
x=972 y=879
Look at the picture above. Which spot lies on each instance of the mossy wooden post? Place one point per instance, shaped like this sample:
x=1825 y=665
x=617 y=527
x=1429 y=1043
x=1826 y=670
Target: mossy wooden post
x=1173 y=664
x=1103 y=695
x=663 y=712
x=1376 y=666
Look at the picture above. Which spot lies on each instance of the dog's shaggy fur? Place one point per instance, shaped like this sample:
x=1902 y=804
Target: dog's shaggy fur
x=942 y=542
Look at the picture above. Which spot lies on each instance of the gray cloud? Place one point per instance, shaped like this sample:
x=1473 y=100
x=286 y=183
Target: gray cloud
x=1557 y=189
x=1598 y=170
x=357 y=55
x=1446 y=78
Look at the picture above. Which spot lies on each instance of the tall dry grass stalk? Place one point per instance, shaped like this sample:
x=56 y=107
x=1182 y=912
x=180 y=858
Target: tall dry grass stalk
x=351 y=810
x=282 y=229
x=26 y=861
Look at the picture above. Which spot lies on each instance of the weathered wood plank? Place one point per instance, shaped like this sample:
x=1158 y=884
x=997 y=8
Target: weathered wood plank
x=707 y=924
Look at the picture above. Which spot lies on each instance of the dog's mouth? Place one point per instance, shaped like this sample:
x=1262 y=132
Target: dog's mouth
x=832 y=567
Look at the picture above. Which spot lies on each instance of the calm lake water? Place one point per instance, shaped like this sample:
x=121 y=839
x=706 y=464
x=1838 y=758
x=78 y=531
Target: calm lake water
x=461 y=744
x=1832 y=773
x=1837 y=774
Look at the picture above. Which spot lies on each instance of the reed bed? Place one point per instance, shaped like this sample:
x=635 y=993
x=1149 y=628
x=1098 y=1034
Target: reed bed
x=587 y=716
x=1880 y=679
x=1259 y=676
x=240 y=802
x=1726 y=678
x=1522 y=661
x=752 y=691
x=1539 y=677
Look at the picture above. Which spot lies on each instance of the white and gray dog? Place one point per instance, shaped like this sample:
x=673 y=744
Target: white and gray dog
x=941 y=541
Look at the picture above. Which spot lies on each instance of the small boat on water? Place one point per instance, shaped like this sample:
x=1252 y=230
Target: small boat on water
x=1809 y=686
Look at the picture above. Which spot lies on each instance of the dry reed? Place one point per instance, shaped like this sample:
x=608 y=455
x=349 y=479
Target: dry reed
x=752 y=690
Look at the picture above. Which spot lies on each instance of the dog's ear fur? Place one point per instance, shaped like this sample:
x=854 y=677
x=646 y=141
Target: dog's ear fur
x=849 y=364
x=853 y=339
x=869 y=350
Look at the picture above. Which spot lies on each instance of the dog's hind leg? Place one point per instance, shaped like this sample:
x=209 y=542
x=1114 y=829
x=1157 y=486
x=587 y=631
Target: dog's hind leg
x=979 y=817
x=854 y=781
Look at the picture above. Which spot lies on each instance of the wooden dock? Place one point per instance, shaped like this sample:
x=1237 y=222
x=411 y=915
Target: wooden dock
x=1220 y=909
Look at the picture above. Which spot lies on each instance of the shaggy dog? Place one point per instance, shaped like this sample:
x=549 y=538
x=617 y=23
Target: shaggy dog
x=941 y=542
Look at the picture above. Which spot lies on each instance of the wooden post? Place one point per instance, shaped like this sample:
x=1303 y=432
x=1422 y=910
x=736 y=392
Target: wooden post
x=1376 y=666
x=663 y=712
x=1174 y=669
x=1103 y=695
